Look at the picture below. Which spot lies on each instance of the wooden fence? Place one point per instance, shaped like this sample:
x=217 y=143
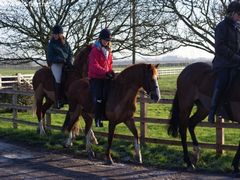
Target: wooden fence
x=9 y=81
x=219 y=146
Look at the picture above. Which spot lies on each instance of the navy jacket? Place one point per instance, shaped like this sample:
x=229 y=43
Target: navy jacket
x=58 y=53
x=227 y=45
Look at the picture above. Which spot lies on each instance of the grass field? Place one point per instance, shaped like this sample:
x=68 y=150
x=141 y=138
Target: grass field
x=154 y=155
x=5 y=71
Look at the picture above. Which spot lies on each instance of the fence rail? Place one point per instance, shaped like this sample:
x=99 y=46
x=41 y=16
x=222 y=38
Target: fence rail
x=9 y=81
x=219 y=126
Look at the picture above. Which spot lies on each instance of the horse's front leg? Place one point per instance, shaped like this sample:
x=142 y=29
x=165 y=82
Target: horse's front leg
x=111 y=129
x=69 y=140
x=235 y=162
x=131 y=125
x=89 y=135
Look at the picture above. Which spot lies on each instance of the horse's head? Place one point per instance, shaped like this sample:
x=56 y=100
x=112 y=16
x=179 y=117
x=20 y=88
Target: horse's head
x=151 y=82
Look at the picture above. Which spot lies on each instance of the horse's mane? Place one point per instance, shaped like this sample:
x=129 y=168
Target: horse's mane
x=135 y=70
x=82 y=55
x=81 y=60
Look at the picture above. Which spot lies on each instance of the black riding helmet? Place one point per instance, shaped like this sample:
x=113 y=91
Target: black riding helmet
x=105 y=34
x=233 y=7
x=57 y=29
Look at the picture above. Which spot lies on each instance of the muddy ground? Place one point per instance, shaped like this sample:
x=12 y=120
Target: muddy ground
x=21 y=162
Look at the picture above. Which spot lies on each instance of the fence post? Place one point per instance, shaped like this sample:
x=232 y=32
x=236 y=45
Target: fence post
x=143 y=113
x=19 y=77
x=0 y=81
x=14 y=110
x=219 y=135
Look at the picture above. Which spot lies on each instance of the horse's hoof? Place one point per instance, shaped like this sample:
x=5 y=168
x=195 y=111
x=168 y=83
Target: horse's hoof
x=91 y=155
x=94 y=141
x=191 y=168
x=109 y=162
x=67 y=145
x=138 y=160
x=194 y=159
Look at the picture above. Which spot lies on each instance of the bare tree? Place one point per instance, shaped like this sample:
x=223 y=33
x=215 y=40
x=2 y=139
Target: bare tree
x=193 y=21
x=26 y=27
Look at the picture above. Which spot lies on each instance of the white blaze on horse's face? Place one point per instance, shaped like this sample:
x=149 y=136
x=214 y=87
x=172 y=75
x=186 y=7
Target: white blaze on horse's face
x=155 y=91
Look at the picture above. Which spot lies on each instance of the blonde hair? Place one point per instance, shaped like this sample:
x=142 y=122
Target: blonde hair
x=61 y=38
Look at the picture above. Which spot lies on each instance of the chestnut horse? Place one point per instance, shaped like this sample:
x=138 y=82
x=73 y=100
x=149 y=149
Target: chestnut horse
x=120 y=104
x=195 y=87
x=43 y=84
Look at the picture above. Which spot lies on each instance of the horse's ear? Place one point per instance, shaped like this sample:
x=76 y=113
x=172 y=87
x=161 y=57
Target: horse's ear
x=156 y=66
x=149 y=66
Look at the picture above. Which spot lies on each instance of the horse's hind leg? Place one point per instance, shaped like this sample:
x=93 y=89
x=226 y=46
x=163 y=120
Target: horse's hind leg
x=184 y=119
x=111 y=129
x=197 y=117
x=71 y=119
x=235 y=162
x=39 y=116
x=89 y=134
x=45 y=107
x=131 y=125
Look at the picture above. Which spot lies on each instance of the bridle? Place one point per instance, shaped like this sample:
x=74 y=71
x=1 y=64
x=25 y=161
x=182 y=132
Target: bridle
x=149 y=88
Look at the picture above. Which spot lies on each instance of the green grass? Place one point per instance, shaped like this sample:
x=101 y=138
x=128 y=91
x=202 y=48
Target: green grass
x=5 y=71
x=153 y=154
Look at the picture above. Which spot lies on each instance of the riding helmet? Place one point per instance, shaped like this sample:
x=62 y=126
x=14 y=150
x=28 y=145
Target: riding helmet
x=234 y=6
x=57 y=29
x=105 y=34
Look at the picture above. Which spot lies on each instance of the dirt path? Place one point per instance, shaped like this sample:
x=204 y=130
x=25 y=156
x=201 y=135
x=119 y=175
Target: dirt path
x=24 y=163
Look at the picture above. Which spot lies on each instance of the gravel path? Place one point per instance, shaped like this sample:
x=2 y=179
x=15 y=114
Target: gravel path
x=25 y=163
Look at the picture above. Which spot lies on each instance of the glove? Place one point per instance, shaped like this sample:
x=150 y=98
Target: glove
x=110 y=75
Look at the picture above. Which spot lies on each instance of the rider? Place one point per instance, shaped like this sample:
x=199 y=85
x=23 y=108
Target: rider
x=100 y=69
x=227 y=53
x=59 y=53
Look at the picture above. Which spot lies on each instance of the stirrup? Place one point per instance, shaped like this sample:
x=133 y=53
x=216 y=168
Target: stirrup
x=98 y=123
x=211 y=118
x=59 y=105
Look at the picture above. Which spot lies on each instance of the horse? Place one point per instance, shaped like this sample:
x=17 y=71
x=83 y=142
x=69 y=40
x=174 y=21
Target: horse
x=120 y=104
x=43 y=84
x=195 y=87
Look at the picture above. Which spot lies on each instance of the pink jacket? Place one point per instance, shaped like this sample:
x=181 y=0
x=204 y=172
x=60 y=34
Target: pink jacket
x=98 y=65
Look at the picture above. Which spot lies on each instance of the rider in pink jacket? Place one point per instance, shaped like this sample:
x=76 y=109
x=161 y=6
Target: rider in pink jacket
x=100 y=72
x=99 y=63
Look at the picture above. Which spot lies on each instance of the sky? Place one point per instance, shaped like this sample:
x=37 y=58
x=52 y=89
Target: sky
x=182 y=52
x=190 y=52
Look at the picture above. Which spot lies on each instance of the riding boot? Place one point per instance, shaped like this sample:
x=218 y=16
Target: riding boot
x=214 y=105
x=58 y=101
x=98 y=113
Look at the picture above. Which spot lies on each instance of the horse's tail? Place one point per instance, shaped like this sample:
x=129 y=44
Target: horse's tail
x=34 y=105
x=173 y=128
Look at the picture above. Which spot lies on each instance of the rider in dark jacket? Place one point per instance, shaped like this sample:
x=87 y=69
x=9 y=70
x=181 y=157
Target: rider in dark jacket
x=59 y=53
x=227 y=54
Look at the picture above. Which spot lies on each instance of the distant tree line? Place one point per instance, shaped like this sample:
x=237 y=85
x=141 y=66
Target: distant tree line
x=160 y=25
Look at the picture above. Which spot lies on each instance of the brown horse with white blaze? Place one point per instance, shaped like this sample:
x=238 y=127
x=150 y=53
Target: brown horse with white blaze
x=120 y=104
x=195 y=87
x=43 y=84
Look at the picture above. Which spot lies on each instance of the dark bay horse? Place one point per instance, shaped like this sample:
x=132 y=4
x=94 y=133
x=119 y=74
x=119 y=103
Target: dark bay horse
x=120 y=105
x=43 y=84
x=195 y=87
